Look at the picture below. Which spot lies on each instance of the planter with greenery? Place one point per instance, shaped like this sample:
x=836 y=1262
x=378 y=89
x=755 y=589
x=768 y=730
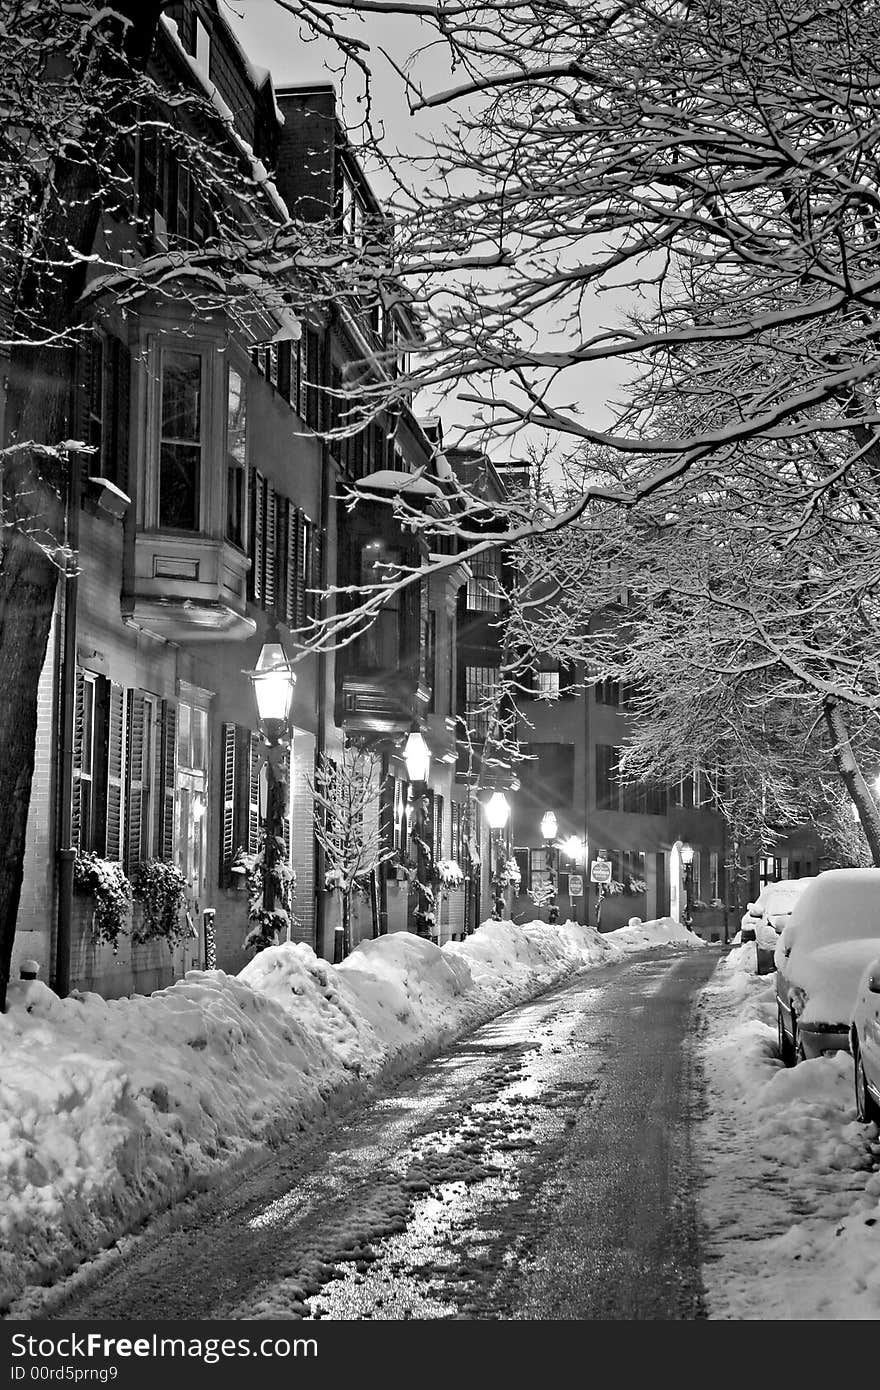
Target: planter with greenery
x=160 y=888
x=107 y=883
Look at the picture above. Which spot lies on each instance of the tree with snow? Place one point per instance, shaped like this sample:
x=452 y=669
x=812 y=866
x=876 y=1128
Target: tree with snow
x=348 y=826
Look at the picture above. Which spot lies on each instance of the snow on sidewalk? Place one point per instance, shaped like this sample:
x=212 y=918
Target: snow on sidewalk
x=791 y=1202
x=113 y=1109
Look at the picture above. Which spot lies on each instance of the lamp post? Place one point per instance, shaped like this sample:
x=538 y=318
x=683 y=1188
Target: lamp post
x=417 y=759
x=687 y=859
x=576 y=851
x=273 y=682
x=497 y=810
x=549 y=829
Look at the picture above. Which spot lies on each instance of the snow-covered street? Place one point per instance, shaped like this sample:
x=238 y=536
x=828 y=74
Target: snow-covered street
x=115 y=1110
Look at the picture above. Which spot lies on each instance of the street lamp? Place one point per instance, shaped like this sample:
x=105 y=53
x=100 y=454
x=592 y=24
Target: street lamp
x=273 y=682
x=416 y=755
x=687 y=858
x=549 y=829
x=417 y=759
x=497 y=810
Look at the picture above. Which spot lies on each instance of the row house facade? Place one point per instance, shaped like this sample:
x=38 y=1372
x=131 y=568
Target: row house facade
x=208 y=517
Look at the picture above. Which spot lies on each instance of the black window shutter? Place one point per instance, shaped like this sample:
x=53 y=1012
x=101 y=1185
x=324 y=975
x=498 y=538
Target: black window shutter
x=115 y=818
x=228 y=841
x=136 y=749
x=169 y=780
x=78 y=723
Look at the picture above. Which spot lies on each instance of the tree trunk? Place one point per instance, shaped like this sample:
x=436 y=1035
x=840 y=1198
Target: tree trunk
x=847 y=765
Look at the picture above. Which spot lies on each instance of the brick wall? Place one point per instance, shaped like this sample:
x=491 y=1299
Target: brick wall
x=305 y=167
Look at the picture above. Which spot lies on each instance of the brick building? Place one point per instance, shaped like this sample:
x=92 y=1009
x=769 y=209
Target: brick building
x=206 y=521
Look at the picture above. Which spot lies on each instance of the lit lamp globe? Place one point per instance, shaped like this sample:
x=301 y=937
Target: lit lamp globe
x=417 y=756
x=497 y=810
x=549 y=825
x=574 y=849
x=273 y=681
x=687 y=854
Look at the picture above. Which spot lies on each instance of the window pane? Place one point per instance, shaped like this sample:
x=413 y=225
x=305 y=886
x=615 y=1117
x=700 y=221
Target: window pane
x=236 y=436
x=547 y=684
x=184 y=734
x=181 y=395
x=199 y=737
x=236 y=417
x=88 y=726
x=180 y=453
x=179 y=473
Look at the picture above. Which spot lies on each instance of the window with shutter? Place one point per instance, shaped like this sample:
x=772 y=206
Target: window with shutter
x=253 y=800
x=316 y=568
x=255 y=578
x=292 y=589
x=116 y=740
x=269 y=546
x=228 y=840
x=135 y=778
x=167 y=790
x=82 y=760
x=282 y=528
x=144 y=774
x=98 y=764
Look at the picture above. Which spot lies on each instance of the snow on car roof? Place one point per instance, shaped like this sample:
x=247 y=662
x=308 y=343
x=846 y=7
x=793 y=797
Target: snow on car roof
x=839 y=905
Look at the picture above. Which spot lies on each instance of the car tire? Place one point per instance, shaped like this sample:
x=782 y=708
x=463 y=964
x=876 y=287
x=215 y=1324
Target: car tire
x=786 y=1051
x=866 y=1110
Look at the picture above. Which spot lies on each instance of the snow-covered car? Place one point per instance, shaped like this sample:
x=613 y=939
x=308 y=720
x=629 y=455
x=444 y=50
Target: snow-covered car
x=772 y=906
x=864 y=1043
x=831 y=937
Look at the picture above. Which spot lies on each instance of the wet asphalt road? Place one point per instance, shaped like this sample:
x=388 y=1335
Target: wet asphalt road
x=540 y=1169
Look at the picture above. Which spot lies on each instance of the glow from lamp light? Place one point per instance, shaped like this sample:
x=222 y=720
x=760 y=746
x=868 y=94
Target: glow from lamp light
x=574 y=849
x=273 y=682
x=497 y=810
x=549 y=825
x=417 y=756
x=687 y=854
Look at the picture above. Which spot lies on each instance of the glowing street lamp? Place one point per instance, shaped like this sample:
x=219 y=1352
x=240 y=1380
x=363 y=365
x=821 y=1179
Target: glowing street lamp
x=273 y=681
x=549 y=830
x=497 y=811
x=687 y=858
x=416 y=755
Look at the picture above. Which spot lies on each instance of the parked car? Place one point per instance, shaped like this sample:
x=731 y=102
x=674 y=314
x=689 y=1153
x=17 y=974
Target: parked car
x=831 y=937
x=764 y=919
x=775 y=900
x=864 y=1043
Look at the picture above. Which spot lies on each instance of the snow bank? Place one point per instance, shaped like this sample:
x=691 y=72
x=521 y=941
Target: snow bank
x=112 y=1109
x=791 y=1202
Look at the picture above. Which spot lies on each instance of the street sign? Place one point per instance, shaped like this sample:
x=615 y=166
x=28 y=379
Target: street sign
x=575 y=885
x=600 y=871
